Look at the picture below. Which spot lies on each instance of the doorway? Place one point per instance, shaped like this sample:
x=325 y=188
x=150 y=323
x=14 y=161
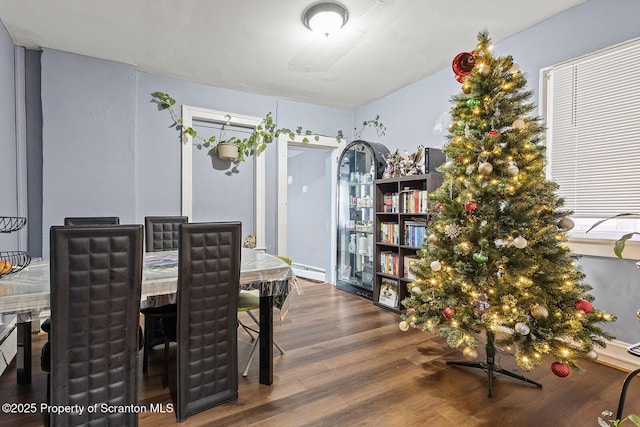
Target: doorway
x=307 y=204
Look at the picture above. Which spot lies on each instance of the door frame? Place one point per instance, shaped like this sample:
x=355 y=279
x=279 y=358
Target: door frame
x=191 y=113
x=316 y=142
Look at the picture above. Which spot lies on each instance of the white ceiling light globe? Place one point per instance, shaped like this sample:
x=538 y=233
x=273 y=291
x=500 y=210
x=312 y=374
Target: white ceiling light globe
x=325 y=23
x=325 y=18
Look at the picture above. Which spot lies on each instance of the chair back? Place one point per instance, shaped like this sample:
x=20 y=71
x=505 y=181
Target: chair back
x=92 y=220
x=207 y=298
x=96 y=276
x=162 y=233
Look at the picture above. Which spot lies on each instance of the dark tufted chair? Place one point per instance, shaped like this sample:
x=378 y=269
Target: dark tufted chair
x=161 y=234
x=205 y=325
x=92 y=220
x=96 y=275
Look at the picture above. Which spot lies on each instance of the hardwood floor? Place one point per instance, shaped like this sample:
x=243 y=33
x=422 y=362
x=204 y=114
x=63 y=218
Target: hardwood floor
x=348 y=364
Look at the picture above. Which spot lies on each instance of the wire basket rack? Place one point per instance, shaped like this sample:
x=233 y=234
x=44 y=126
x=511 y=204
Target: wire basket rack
x=9 y=224
x=13 y=261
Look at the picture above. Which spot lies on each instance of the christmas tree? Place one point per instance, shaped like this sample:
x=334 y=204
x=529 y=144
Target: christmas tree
x=495 y=259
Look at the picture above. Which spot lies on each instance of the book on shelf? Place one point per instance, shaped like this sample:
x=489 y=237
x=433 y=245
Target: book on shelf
x=414 y=232
x=410 y=262
x=389 y=263
x=389 y=232
x=390 y=203
x=415 y=201
x=388 y=292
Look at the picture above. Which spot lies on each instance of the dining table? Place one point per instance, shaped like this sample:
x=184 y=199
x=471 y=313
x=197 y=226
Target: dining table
x=26 y=294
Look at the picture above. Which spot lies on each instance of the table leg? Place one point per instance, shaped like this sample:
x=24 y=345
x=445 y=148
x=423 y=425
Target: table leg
x=266 y=340
x=23 y=355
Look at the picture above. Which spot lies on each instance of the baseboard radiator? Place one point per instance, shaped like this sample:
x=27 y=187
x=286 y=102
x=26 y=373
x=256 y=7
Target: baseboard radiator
x=309 y=271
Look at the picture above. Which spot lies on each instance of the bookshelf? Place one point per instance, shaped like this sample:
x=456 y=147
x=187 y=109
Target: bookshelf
x=401 y=215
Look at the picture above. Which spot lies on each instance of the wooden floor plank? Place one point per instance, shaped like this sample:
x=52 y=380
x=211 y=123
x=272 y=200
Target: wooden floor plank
x=347 y=364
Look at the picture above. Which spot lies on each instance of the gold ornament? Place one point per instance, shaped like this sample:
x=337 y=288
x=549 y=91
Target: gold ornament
x=520 y=242
x=518 y=124
x=638 y=315
x=484 y=69
x=512 y=170
x=485 y=168
x=404 y=326
x=539 y=312
x=470 y=354
x=565 y=224
x=432 y=239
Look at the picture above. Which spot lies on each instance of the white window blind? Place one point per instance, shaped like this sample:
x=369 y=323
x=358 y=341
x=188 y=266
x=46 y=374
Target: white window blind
x=592 y=114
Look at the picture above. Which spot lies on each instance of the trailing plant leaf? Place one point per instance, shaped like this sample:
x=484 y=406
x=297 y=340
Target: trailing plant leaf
x=264 y=133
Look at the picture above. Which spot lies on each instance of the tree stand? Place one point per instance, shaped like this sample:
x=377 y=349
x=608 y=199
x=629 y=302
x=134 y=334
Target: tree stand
x=491 y=367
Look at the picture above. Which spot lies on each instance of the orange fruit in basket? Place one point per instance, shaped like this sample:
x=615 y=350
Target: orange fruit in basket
x=5 y=266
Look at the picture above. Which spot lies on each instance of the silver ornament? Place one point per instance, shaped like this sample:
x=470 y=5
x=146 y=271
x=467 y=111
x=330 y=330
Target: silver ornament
x=592 y=356
x=522 y=328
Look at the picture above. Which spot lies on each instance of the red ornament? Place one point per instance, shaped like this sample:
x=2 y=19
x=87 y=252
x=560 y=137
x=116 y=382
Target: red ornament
x=584 y=306
x=471 y=206
x=438 y=206
x=448 y=312
x=493 y=133
x=462 y=65
x=560 y=369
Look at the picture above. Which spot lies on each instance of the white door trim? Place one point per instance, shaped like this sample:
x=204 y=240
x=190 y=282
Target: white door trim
x=189 y=114
x=324 y=143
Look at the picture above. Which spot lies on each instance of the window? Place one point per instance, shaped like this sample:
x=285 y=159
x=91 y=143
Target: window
x=591 y=106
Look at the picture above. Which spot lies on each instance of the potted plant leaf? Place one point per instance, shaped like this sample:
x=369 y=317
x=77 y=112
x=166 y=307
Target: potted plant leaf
x=263 y=134
x=619 y=245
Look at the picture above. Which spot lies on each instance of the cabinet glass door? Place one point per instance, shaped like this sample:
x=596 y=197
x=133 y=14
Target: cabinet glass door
x=360 y=164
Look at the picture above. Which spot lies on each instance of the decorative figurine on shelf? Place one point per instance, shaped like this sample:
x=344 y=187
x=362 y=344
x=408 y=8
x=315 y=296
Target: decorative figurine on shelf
x=411 y=164
x=250 y=241
x=393 y=168
x=398 y=165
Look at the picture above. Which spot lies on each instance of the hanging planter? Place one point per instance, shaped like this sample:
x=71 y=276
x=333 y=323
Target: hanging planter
x=227 y=151
x=239 y=150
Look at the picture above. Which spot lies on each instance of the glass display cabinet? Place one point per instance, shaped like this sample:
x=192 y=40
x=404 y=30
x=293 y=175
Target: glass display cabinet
x=359 y=165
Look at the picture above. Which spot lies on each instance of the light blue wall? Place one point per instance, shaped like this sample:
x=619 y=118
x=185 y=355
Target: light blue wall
x=88 y=136
x=8 y=203
x=158 y=148
x=99 y=117
x=411 y=113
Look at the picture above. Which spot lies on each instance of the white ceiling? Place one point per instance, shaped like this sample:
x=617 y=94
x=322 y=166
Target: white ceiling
x=261 y=46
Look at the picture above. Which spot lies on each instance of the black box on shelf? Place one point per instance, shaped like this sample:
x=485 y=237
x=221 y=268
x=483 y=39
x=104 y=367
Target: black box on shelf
x=433 y=158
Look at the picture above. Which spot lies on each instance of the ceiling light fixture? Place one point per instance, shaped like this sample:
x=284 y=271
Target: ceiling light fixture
x=325 y=18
